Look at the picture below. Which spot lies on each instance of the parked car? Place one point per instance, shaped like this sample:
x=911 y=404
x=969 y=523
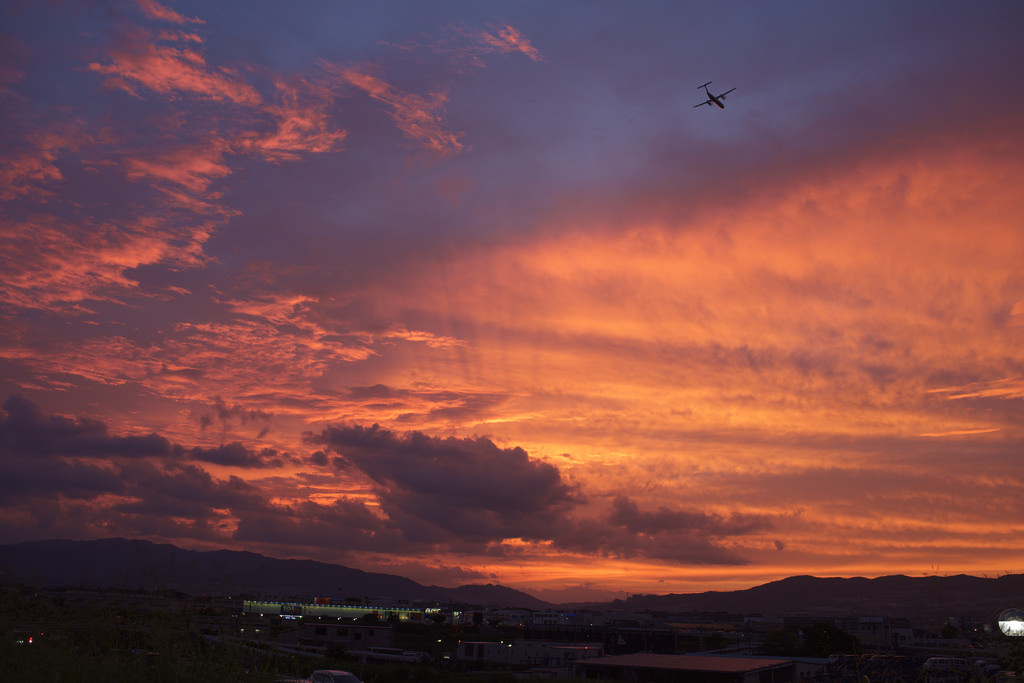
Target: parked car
x=332 y=676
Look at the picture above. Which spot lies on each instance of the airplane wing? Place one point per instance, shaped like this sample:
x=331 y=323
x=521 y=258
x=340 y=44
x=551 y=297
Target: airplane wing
x=726 y=92
x=701 y=104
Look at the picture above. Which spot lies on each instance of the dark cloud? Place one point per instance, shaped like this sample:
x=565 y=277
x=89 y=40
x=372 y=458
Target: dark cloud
x=26 y=431
x=432 y=495
x=345 y=523
x=474 y=470
x=237 y=455
x=24 y=480
x=627 y=514
x=468 y=493
x=223 y=414
x=47 y=458
x=447 y=488
x=184 y=491
x=624 y=530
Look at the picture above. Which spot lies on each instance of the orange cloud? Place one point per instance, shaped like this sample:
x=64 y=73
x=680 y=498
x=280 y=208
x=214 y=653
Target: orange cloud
x=270 y=355
x=757 y=341
x=1007 y=387
x=432 y=340
x=963 y=432
x=248 y=360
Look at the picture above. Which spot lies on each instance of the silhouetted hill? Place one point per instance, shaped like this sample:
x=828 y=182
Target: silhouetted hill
x=124 y=564
x=892 y=596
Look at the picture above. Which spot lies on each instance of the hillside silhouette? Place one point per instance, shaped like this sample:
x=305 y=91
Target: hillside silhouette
x=141 y=565
x=893 y=596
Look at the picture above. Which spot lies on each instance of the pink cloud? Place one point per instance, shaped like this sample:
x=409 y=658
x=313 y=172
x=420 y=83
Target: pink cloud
x=301 y=123
x=469 y=46
x=154 y=10
x=179 y=36
x=53 y=263
x=21 y=174
x=257 y=363
x=170 y=71
x=179 y=197
x=267 y=351
x=510 y=39
x=49 y=264
x=26 y=172
x=270 y=353
x=274 y=308
x=192 y=168
x=417 y=117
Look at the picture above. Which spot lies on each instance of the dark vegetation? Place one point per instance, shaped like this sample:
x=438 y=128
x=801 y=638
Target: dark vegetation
x=819 y=640
x=56 y=636
x=45 y=638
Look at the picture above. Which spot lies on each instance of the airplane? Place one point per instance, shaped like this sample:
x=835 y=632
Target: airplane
x=712 y=99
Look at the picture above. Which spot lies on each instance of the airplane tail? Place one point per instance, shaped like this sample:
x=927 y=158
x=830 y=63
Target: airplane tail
x=701 y=86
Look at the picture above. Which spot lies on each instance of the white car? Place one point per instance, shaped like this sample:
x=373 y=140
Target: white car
x=332 y=676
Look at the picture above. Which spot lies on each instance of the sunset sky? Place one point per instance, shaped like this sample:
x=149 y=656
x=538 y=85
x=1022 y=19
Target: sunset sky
x=471 y=292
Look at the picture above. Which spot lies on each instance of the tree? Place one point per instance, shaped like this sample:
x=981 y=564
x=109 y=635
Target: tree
x=819 y=640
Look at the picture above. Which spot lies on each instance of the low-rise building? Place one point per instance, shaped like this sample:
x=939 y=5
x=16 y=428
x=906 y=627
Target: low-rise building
x=645 y=667
x=320 y=607
x=533 y=654
x=347 y=636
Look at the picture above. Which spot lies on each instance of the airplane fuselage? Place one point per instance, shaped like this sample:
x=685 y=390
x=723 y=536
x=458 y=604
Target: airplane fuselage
x=713 y=99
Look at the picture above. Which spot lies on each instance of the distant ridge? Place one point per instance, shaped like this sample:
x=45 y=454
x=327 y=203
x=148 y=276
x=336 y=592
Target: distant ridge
x=141 y=565
x=893 y=596
x=134 y=564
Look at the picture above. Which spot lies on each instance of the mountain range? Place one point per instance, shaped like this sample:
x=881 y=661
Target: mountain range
x=142 y=565
x=981 y=598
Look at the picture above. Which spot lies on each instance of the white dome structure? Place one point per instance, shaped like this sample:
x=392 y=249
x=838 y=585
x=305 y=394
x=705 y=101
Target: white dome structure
x=1011 y=622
